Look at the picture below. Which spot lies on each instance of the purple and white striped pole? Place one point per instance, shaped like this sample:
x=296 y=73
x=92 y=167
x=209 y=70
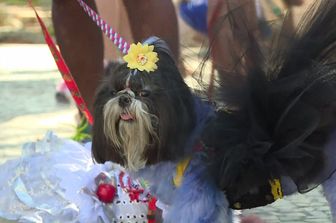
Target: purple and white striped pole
x=122 y=45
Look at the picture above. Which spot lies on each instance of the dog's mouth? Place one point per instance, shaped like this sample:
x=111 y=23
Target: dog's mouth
x=126 y=116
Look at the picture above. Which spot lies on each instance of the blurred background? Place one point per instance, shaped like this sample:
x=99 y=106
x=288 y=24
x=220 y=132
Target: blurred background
x=29 y=81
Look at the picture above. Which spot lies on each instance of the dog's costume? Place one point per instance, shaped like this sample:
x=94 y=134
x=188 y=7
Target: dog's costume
x=56 y=181
x=280 y=119
x=274 y=137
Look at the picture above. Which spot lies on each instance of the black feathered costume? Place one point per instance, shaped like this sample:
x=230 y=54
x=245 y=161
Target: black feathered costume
x=280 y=113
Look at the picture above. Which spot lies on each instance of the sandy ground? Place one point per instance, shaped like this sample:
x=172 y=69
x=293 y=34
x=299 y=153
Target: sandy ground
x=28 y=77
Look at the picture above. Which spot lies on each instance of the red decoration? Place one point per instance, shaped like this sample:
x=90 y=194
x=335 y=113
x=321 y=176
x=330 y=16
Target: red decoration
x=106 y=193
x=151 y=210
x=134 y=194
x=63 y=69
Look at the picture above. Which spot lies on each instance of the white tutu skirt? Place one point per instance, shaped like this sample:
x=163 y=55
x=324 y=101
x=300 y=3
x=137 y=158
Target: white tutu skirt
x=56 y=180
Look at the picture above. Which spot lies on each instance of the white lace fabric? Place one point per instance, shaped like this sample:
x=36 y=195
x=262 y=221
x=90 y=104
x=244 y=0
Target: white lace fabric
x=47 y=184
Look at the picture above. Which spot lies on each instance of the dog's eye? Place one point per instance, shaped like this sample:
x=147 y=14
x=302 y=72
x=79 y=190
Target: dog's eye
x=144 y=93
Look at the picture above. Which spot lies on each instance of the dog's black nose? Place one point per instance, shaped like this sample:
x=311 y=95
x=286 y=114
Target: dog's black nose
x=124 y=101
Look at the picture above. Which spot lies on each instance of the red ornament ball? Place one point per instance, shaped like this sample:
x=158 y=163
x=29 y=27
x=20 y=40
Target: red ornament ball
x=106 y=193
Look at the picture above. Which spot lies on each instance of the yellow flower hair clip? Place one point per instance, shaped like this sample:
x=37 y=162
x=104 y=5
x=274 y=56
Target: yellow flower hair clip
x=141 y=57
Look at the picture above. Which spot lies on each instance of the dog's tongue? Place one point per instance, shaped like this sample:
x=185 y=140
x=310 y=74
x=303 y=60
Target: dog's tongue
x=126 y=117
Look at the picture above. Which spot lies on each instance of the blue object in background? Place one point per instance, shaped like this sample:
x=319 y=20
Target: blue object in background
x=194 y=13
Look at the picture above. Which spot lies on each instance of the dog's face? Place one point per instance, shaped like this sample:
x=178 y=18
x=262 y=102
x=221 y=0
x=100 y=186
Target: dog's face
x=142 y=118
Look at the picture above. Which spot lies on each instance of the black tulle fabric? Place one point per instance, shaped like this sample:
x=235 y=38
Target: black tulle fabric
x=280 y=116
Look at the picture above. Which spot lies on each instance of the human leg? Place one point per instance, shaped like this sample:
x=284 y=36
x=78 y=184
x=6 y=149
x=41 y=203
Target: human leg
x=228 y=39
x=114 y=13
x=153 y=17
x=81 y=45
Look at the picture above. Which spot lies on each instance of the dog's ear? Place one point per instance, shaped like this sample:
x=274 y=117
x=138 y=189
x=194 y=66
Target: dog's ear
x=176 y=112
x=102 y=149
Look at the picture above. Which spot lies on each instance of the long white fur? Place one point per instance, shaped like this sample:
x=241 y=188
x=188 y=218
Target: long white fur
x=130 y=137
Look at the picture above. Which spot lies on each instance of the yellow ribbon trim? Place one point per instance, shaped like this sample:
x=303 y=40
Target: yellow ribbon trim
x=180 y=169
x=276 y=189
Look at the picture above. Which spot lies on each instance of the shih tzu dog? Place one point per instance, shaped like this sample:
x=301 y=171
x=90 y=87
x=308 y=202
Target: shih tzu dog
x=143 y=117
x=275 y=137
x=149 y=122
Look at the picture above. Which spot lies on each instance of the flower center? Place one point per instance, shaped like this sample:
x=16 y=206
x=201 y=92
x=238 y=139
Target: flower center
x=142 y=59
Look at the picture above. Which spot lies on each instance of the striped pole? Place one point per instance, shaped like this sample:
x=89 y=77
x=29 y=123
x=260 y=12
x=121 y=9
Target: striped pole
x=122 y=45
